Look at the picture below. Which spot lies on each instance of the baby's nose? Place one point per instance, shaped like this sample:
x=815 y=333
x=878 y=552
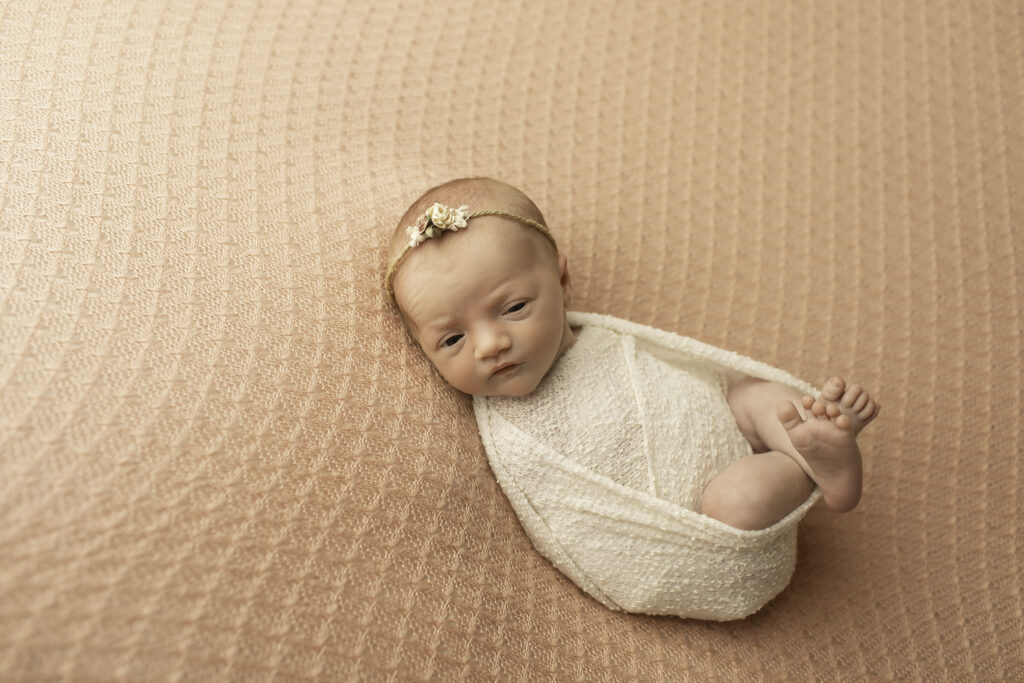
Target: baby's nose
x=491 y=342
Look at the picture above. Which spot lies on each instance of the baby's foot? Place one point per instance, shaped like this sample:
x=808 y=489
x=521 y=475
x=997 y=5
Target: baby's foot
x=830 y=453
x=842 y=401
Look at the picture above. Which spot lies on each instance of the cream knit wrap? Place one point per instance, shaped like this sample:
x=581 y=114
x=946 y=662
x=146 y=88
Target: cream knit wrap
x=614 y=509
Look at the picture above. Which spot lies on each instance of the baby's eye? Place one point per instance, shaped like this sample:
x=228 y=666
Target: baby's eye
x=516 y=307
x=452 y=340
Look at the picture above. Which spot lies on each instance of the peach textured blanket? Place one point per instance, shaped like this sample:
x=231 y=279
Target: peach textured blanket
x=222 y=458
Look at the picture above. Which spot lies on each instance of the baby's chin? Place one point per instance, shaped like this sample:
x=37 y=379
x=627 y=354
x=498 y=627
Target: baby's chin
x=509 y=391
x=512 y=386
x=512 y=393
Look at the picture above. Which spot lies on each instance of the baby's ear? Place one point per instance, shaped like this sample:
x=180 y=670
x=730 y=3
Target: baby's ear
x=563 y=276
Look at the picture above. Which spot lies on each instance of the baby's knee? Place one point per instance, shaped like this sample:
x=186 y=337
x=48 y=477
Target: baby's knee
x=754 y=493
x=729 y=502
x=711 y=503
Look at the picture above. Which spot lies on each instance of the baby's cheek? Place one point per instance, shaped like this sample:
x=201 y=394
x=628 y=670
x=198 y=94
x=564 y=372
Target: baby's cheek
x=437 y=365
x=452 y=371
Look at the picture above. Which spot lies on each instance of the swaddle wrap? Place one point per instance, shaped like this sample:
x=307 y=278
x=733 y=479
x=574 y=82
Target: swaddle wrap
x=605 y=463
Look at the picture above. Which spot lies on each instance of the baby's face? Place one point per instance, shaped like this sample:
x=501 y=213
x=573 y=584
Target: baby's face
x=481 y=300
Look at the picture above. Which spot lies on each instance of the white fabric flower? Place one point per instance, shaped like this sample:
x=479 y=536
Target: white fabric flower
x=435 y=221
x=416 y=235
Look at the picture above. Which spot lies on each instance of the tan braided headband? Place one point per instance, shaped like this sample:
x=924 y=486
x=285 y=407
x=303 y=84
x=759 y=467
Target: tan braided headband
x=439 y=218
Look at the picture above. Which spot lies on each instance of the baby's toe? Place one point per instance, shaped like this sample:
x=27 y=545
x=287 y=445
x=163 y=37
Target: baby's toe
x=844 y=423
x=861 y=402
x=869 y=410
x=850 y=396
x=833 y=389
x=832 y=410
x=819 y=409
x=788 y=415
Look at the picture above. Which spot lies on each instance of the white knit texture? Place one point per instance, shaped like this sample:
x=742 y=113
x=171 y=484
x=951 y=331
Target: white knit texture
x=605 y=463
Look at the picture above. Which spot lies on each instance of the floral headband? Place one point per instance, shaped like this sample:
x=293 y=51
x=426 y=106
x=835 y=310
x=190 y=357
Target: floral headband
x=440 y=218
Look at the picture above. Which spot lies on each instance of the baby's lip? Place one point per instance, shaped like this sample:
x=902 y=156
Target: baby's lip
x=501 y=367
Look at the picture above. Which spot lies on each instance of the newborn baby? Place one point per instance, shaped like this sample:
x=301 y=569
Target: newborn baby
x=660 y=474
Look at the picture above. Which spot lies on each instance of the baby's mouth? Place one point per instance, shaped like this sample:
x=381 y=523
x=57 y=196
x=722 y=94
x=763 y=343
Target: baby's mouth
x=506 y=370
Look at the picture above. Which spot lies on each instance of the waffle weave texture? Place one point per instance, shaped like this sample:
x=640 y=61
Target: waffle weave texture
x=222 y=458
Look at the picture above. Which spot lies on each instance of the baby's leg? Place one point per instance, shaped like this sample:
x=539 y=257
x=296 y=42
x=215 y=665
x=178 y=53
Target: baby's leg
x=756 y=491
x=818 y=437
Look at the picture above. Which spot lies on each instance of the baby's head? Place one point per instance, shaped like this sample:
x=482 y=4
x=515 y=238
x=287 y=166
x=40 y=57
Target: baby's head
x=487 y=295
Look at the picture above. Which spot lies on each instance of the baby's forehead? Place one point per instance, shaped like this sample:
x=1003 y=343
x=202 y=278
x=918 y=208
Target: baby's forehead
x=443 y=278
x=497 y=239
x=473 y=266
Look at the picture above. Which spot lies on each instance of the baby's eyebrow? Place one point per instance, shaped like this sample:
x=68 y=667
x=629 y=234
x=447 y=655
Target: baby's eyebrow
x=440 y=323
x=444 y=321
